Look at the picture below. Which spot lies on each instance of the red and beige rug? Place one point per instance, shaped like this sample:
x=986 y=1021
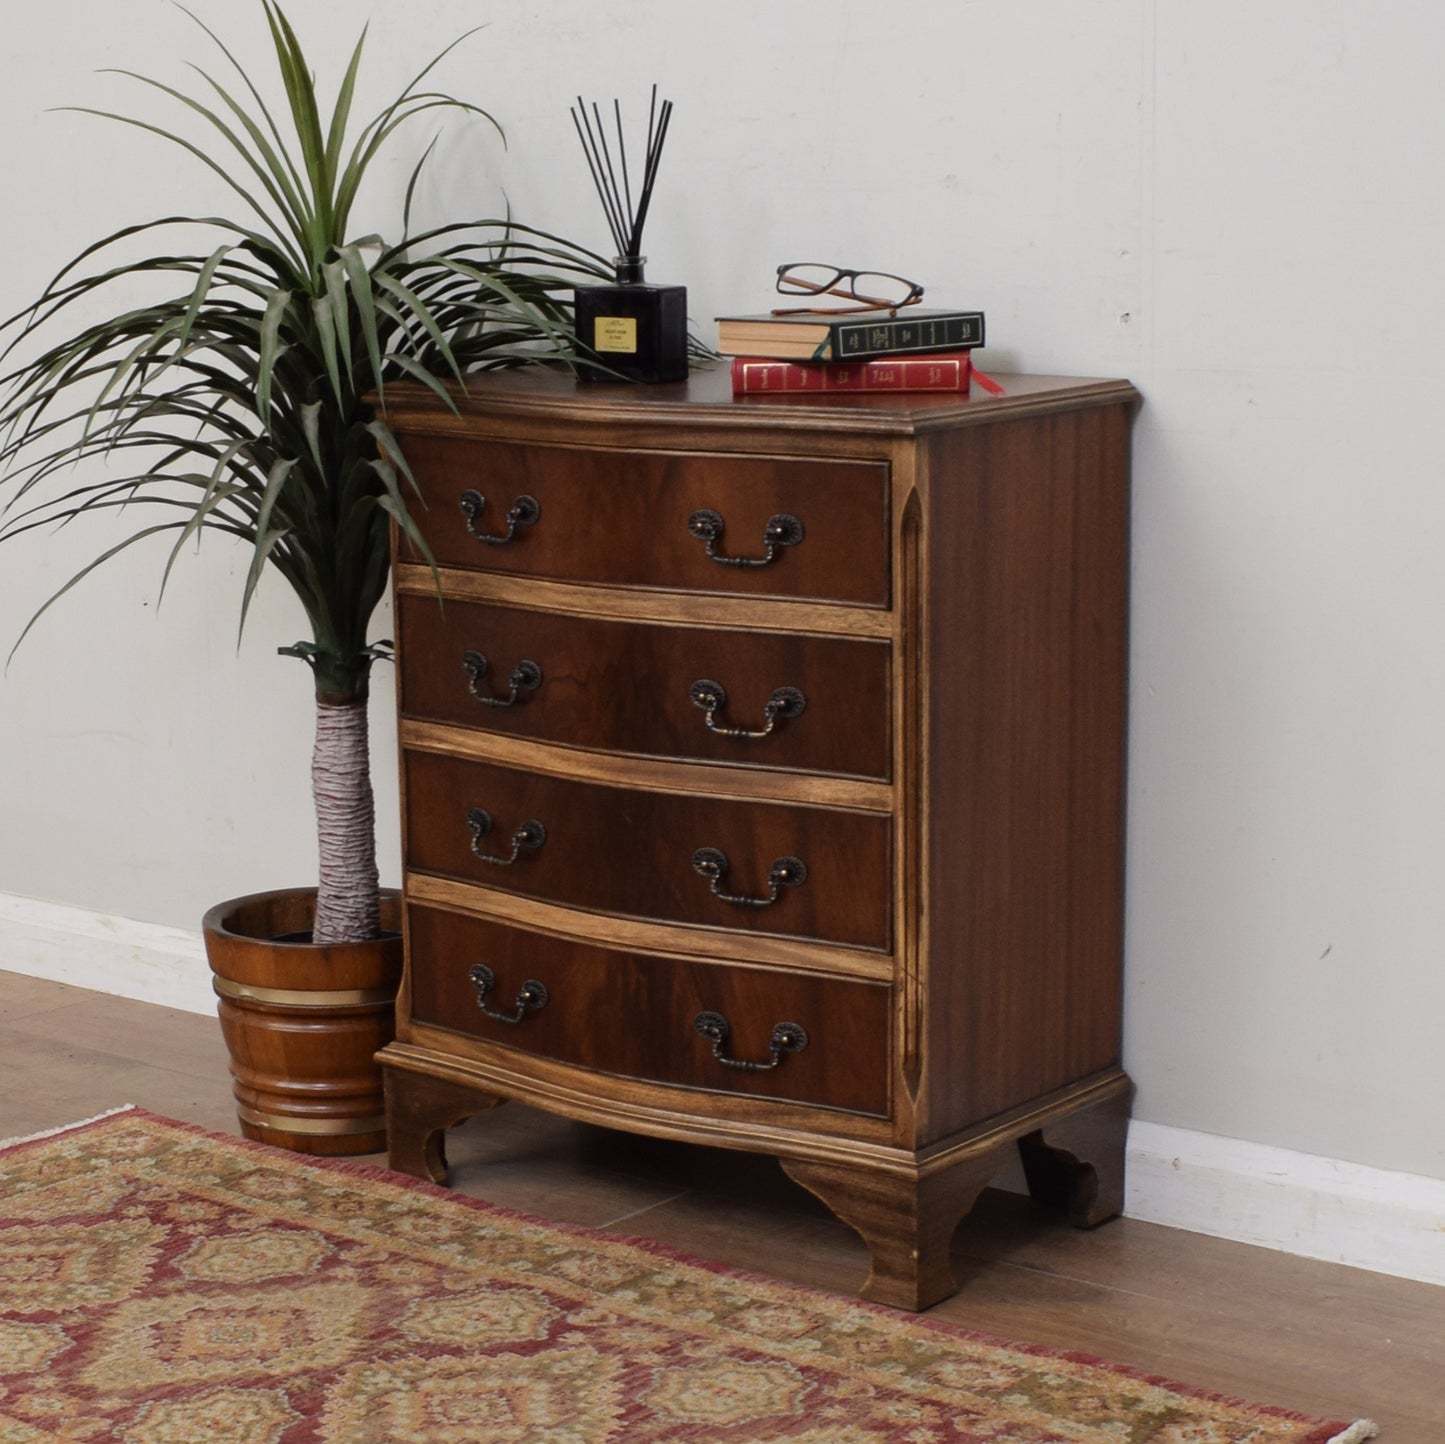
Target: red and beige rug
x=159 y=1283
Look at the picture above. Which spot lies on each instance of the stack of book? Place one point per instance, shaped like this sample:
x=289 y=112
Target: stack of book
x=910 y=350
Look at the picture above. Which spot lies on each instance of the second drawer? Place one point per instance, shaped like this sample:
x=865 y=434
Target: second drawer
x=640 y=687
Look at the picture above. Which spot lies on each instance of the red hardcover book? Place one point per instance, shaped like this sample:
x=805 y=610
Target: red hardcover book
x=937 y=371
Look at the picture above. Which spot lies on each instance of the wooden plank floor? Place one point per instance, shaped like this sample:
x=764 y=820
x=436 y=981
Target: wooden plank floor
x=1325 y=1340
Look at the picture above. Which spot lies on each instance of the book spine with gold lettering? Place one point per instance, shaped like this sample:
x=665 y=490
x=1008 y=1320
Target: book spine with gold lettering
x=906 y=331
x=942 y=371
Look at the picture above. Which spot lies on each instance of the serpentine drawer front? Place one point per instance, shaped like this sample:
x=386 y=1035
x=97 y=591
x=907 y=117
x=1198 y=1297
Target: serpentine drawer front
x=755 y=698
x=784 y=1035
x=762 y=768
x=712 y=523
x=772 y=867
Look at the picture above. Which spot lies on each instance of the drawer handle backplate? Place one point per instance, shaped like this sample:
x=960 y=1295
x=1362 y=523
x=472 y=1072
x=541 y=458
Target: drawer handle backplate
x=782 y=530
x=530 y=835
x=532 y=995
x=526 y=677
x=712 y=863
x=786 y=1038
x=711 y=697
x=523 y=512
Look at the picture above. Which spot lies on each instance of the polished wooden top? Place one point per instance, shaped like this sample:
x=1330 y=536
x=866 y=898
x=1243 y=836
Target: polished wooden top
x=707 y=397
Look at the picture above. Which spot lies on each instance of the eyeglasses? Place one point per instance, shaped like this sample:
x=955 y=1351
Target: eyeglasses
x=869 y=290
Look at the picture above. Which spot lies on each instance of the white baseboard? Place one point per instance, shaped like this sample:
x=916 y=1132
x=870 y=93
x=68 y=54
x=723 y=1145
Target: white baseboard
x=1320 y=1208
x=145 y=961
x=1323 y=1208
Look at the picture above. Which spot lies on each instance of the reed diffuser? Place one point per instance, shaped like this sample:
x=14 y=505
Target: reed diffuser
x=629 y=329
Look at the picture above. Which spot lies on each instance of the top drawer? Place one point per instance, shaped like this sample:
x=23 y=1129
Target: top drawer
x=627 y=518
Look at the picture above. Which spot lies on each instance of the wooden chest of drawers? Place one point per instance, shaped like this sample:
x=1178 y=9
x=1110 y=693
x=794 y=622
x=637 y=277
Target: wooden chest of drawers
x=763 y=785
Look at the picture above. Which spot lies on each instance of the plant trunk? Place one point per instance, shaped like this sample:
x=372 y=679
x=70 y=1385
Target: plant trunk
x=348 y=898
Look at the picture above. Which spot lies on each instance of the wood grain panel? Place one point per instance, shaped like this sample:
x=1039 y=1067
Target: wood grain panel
x=620 y=850
x=622 y=518
x=1027 y=574
x=537 y=405
x=633 y=1013
x=625 y=687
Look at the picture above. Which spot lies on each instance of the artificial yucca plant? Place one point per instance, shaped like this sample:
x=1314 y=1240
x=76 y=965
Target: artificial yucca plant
x=251 y=399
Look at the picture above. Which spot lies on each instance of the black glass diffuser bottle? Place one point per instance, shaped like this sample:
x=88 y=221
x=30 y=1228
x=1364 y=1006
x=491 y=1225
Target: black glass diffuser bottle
x=629 y=329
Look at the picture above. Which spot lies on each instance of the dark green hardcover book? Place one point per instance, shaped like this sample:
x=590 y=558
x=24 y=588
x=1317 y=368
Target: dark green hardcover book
x=920 y=331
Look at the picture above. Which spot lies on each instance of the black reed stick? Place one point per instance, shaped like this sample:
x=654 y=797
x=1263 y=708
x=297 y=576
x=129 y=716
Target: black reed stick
x=623 y=219
x=590 y=150
x=654 y=155
x=622 y=151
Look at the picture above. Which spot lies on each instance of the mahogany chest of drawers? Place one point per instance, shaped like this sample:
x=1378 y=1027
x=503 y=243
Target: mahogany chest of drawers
x=763 y=770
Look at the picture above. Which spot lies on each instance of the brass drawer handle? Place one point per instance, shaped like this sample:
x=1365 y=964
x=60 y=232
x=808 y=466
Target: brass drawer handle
x=533 y=995
x=523 y=512
x=711 y=697
x=782 y=530
x=530 y=835
x=786 y=1038
x=526 y=677
x=712 y=864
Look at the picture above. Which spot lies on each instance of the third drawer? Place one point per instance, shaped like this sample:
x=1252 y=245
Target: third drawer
x=796 y=870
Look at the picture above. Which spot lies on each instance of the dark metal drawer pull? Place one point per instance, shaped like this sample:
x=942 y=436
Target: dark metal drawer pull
x=533 y=995
x=530 y=835
x=786 y=1038
x=526 y=677
x=782 y=530
x=711 y=697
x=523 y=512
x=785 y=872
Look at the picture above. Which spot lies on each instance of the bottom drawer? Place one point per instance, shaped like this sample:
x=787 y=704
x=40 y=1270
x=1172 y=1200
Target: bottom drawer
x=637 y=1014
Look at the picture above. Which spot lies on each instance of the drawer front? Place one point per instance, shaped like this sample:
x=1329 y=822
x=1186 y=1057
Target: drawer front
x=626 y=851
x=623 y=517
x=628 y=686
x=636 y=1014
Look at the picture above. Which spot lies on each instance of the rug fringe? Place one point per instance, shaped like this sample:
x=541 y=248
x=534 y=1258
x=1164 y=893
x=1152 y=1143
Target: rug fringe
x=1357 y=1433
x=84 y=1122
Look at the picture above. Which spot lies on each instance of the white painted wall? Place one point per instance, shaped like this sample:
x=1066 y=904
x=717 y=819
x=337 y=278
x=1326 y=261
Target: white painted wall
x=1238 y=206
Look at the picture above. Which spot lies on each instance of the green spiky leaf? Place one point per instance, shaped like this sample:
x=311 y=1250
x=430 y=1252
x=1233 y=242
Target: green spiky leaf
x=244 y=399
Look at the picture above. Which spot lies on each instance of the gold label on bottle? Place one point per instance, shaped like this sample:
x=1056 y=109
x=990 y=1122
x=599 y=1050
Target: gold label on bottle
x=615 y=333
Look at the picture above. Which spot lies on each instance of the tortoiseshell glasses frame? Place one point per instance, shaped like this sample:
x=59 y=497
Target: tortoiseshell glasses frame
x=868 y=290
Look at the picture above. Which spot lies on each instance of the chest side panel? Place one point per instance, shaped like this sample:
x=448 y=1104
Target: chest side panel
x=1024 y=707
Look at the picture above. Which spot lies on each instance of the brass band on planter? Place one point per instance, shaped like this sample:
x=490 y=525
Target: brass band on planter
x=289 y=998
x=316 y=1127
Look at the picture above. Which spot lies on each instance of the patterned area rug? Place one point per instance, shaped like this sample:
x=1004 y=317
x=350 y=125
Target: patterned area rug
x=159 y=1283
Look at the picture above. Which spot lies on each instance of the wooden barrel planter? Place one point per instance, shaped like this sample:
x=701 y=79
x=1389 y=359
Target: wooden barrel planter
x=304 y=1023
